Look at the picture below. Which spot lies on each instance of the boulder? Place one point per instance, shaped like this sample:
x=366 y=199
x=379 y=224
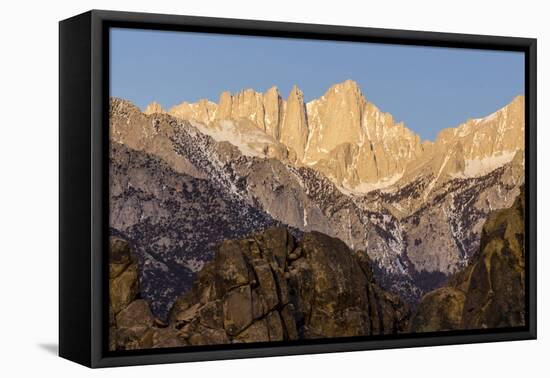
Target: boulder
x=230 y=267
x=440 y=310
x=495 y=296
x=131 y=323
x=490 y=292
x=123 y=275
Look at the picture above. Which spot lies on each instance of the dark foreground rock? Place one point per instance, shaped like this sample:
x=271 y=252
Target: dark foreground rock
x=131 y=324
x=268 y=287
x=490 y=292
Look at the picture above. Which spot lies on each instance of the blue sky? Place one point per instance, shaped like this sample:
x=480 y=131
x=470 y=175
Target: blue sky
x=427 y=88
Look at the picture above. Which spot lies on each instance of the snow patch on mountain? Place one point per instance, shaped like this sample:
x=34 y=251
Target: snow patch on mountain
x=365 y=187
x=480 y=167
x=250 y=142
x=434 y=181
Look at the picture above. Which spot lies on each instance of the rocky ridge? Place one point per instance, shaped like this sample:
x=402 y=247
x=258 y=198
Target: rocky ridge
x=266 y=287
x=357 y=146
x=269 y=287
x=154 y=107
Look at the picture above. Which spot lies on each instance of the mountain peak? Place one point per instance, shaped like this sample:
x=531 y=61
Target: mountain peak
x=347 y=86
x=295 y=91
x=519 y=99
x=294 y=128
x=154 y=107
x=247 y=92
x=273 y=90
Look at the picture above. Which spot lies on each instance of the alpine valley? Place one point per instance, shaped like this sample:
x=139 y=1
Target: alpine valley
x=337 y=182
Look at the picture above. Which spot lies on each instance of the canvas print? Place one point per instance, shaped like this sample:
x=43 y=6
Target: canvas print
x=267 y=190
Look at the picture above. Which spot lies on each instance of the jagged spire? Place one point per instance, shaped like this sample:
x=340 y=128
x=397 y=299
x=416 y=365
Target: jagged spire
x=154 y=107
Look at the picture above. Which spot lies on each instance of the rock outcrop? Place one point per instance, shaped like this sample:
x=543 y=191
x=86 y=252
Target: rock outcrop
x=203 y=111
x=264 y=110
x=490 y=136
x=490 y=292
x=354 y=143
x=131 y=323
x=266 y=287
x=294 y=129
x=274 y=107
x=269 y=287
x=154 y=107
x=247 y=104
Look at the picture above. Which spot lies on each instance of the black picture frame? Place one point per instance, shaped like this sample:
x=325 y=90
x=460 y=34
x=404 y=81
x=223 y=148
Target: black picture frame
x=83 y=182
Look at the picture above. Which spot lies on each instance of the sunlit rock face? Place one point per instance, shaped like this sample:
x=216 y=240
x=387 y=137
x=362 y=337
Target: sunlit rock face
x=355 y=144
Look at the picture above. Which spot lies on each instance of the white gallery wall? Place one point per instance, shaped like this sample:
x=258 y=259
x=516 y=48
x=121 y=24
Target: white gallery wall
x=29 y=186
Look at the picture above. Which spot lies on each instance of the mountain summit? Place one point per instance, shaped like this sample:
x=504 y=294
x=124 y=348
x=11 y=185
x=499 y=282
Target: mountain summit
x=351 y=141
x=154 y=107
x=355 y=144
